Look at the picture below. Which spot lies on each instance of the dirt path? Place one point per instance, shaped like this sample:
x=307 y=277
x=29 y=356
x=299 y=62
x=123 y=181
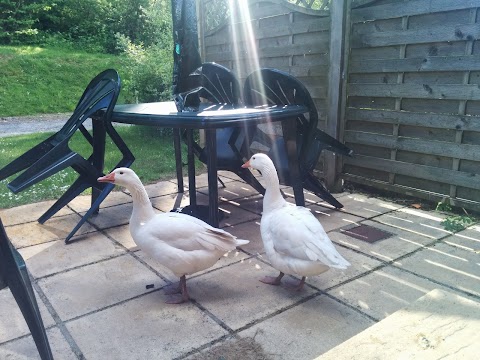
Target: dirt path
x=18 y=125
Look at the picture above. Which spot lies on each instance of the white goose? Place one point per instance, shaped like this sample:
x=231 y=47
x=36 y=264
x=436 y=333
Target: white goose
x=182 y=243
x=294 y=240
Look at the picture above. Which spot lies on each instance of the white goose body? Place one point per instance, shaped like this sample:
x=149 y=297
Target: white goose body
x=182 y=243
x=294 y=240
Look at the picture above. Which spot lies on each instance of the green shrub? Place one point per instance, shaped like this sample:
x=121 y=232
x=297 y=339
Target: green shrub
x=149 y=71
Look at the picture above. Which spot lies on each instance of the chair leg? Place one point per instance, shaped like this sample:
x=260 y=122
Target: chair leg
x=311 y=183
x=75 y=189
x=23 y=292
x=248 y=177
x=93 y=209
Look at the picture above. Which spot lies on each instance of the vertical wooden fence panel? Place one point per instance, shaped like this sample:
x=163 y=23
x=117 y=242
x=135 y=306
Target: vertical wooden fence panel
x=412 y=98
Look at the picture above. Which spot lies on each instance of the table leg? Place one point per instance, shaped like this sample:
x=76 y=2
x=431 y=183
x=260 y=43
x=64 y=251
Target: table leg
x=289 y=136
x=178 y=159
x=211 y=147
x=192 y=188
x=98 y=157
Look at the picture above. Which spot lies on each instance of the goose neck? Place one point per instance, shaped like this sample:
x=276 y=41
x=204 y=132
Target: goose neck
x=273 y=198
x=142 y=207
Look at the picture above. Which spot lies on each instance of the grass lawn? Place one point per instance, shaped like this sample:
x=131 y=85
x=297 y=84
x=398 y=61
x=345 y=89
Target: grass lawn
x=152 y=148
x=35 y=80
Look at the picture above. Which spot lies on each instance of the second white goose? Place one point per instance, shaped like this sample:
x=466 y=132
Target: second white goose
x=294 y=240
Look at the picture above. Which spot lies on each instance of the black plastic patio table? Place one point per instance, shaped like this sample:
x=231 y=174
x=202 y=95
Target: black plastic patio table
x=165 y=114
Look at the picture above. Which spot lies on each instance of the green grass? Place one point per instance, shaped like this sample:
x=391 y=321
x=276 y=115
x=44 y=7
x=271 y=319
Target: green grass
x=35 y=80
x=154 y=160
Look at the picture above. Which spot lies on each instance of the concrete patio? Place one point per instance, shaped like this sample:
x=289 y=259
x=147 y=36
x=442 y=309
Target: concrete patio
x=95 y=304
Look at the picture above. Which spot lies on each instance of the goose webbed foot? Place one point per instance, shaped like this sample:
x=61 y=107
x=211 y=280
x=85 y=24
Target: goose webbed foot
x=295 y=286
x=270 y=280
x=181 y=289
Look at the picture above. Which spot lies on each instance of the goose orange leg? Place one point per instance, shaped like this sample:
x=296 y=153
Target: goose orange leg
x=273 y=280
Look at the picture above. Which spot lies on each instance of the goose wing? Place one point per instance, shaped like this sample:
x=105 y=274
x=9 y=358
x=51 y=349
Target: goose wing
x=188 y=233
x=297 y=233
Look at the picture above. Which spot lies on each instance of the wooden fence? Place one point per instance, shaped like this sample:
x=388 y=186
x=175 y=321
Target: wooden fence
x=412 y=106
x=411 y=95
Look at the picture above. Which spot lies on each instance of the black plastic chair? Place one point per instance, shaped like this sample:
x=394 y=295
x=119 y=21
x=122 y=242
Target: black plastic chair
x=13 y=274
x=218 y=85
x=54 y=154
x=275 y=87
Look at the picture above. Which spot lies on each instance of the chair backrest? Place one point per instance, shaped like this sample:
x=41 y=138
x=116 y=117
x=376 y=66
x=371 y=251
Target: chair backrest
x=275 y=87
x=219 y=84
x=101 y=93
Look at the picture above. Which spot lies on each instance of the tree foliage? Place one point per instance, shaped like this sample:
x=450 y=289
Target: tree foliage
x=88 y=23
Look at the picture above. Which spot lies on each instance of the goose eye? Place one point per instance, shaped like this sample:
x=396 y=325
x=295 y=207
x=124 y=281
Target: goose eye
x=121 y=172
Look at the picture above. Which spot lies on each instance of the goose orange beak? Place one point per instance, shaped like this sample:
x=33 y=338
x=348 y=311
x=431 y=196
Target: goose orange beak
x=246 y=165
x=110 y=178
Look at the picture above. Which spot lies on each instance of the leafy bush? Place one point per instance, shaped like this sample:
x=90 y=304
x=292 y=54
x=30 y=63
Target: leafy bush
x=149 y=71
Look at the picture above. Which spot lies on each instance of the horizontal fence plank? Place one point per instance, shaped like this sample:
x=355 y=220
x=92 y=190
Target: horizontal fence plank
x=410 y=8
x=419 y=91
x=268 y=52
x=452 y=150
x=243 y=34
x=417 y=36
x=420 y=64
x=446 y=176
x=430 y=120
x=422 y=194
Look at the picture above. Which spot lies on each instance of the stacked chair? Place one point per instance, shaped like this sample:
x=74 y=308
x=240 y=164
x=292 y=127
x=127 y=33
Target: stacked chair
x=274 y=87
x=219 y=86
x=14 y=274
x=54 y=154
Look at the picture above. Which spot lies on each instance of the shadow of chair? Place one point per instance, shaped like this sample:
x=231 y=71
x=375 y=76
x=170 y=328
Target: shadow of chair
x=14 y=275
x=54 y=154
x=274 y=87
x=219 y=86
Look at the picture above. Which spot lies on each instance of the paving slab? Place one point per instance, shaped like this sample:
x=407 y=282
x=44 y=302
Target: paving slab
x=25 y=349
x=12 y=322
x=310 y=198
x=83 y=203
x=230 y=292
x=381 y=293
x=399 y=244
x=468 y=239
x=121 y=234
x=234 y=214
x=360 y=264
x=307 y=330
x=447 y=264
x=29 y=213
x=439 y=325
x=56 y=256
x=160 y=188
x=332 y=219
x=144 y=328
x=112 y=216
x=249 y=231
x=168 y=202
x=92 y=287
x=232 y=190
x=365 y=206
x=54 y=229
x=417 y=221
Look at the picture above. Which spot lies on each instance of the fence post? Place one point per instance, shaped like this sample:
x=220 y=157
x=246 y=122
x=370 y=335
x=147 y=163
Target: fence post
x=335 y=81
